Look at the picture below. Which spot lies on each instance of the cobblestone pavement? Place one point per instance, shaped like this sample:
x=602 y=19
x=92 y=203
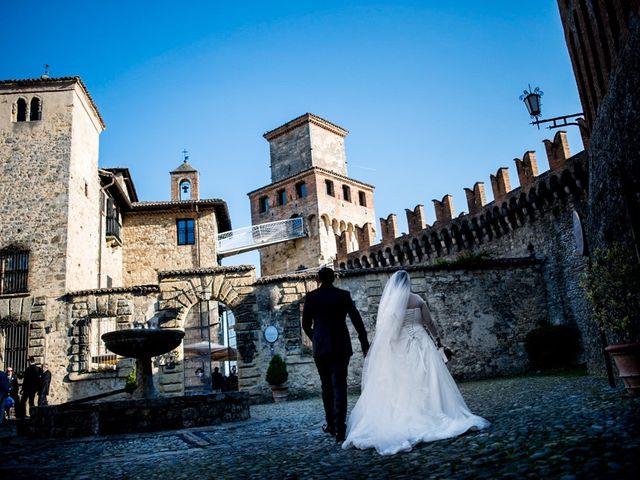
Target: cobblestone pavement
x=566 y=427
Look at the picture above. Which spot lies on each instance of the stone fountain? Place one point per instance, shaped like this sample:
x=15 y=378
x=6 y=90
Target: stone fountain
x=142 y=344
x=145 y=411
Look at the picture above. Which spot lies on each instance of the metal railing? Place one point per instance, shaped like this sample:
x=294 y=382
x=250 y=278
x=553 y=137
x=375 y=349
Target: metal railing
x=257 y=236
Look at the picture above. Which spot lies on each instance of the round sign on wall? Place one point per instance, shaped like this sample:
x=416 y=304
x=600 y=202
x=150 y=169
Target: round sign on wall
x=271 y=334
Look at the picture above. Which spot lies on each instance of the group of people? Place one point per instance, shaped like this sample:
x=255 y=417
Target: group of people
x=36 y=380
x=408 y=395
x=220 y=382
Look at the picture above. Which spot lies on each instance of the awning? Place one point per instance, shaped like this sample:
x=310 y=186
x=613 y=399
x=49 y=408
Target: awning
x=219 y=353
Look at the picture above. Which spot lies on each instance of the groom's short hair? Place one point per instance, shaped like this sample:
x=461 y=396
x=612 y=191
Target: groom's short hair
x=326 y=276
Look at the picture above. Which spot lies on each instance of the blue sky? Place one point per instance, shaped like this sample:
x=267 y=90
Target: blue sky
x=428 y=89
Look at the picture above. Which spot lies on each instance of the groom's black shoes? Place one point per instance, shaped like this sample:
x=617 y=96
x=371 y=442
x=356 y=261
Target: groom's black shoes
x=326 y=428
x=341 y=433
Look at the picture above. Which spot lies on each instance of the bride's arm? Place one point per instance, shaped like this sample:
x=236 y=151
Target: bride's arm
x=427 y=322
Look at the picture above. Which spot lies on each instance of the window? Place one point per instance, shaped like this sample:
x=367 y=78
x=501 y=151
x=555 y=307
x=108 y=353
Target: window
x=35 y=112
x=21 y=110
x=14 y=271
x=329 y=185
x=346 y=193
x=263 y=204
x=185 y=190
x=113 y=219
x=362 y=199
x=16 y=342
x=301 y=189
x=282 y=197
x=186 y=231
x=100 y=356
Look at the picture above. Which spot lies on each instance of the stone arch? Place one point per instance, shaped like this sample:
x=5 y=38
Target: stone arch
x=457 y=237
x=20 y=110
x=437 y=244
x=381 y=260
x=35 y=109
x=415 y=245
x=446 y=238
x=312 y=225
x=233 y=286
x=373 y=260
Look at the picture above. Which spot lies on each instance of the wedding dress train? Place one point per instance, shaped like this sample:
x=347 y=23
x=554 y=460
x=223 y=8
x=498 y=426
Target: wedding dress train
x=408 y=395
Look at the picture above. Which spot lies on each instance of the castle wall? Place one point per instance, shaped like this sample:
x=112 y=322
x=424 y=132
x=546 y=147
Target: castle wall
x=482 y=313
x=151 y=245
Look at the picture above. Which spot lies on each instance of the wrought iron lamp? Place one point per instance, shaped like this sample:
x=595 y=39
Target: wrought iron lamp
x=531 y=99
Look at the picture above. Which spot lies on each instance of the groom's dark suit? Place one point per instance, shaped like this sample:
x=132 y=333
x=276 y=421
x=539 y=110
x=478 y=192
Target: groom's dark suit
x=324 y=322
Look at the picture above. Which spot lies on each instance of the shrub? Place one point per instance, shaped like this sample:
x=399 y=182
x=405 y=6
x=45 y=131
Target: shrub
x=130 y=386
x=612 y=283
x=277 y=372
x=552 y=346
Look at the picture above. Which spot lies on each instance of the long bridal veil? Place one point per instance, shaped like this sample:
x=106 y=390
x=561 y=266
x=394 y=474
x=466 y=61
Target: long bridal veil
x=408 y=395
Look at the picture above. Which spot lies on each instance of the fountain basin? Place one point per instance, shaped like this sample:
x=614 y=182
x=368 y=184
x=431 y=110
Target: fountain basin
x=141 y=342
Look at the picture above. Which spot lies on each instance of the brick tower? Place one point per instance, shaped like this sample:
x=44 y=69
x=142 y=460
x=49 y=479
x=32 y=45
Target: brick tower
x=309 y=179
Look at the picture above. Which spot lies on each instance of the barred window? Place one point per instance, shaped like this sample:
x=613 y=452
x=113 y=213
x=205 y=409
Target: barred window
x=14 y=271
x=100 y=356
x=186 y=231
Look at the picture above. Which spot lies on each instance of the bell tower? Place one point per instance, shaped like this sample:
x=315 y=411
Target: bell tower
x=184 y=182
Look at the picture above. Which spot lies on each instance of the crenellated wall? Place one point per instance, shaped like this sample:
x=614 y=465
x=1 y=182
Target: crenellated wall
x=536 y=219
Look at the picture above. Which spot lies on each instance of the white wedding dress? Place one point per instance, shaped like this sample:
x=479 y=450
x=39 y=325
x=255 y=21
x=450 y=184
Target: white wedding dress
x=408 y=395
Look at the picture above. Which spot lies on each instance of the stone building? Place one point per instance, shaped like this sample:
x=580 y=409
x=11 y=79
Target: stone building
x=309 y=179
x=603 y=39
x=68 y=227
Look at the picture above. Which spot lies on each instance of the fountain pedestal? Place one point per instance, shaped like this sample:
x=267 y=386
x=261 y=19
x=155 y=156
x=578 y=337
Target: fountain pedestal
x=142 y=344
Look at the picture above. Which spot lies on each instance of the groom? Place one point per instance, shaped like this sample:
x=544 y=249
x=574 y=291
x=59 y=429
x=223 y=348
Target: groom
x=324 y=322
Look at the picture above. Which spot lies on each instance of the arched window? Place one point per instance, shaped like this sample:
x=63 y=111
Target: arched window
x=346 y=193
x=301 y=189
x=35 y=112
x=185 y=190
x=21 y=110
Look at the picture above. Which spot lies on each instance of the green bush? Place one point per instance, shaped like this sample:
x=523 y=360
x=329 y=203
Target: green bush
x=552 y=346
x=612 y=283
x=277 y=372
x=131 y=381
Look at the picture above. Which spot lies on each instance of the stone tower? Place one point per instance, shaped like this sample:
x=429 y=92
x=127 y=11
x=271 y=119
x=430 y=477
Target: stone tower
x=49 y=134
x=184 y=183
x=309 y=179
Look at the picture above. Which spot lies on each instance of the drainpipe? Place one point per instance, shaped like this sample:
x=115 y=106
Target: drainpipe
x=100 y=231
x=198 y=235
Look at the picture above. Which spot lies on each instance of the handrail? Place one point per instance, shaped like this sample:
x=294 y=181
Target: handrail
x=258 y=236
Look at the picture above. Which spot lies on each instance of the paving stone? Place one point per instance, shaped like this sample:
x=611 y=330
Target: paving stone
x=549 y=434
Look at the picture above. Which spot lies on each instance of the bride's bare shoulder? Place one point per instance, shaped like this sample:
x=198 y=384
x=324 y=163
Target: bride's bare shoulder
x=415 y=301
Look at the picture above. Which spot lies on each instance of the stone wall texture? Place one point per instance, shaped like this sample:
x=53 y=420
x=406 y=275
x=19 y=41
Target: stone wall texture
x=482 y=313
x=151 y=245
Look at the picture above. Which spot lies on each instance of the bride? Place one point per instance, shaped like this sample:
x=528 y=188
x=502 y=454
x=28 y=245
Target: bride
x=408 y=395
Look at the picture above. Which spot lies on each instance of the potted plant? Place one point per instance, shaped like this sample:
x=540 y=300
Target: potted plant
x=612 y=285
x=277 y=376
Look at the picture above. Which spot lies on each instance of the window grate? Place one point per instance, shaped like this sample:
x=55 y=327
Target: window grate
x=14 y=271
x=16 y=341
